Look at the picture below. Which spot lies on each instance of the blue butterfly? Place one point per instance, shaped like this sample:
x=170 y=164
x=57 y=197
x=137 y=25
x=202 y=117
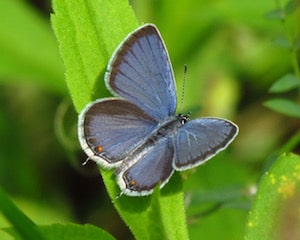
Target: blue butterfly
x=137 y=131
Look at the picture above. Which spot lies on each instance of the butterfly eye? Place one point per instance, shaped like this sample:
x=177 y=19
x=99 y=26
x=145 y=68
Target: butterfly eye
x=183 y=118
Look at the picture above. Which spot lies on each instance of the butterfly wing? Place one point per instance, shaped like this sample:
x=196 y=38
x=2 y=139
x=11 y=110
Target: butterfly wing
x=140 y=72
x=109 y=129
x=199 y=140
x=143 y=174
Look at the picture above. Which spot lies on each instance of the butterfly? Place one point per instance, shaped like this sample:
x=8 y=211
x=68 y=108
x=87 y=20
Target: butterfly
x=137 y=132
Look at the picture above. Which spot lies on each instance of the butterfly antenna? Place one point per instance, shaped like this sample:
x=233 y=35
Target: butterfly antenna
x=86 y=161
x=183 y=88
x=117 y=197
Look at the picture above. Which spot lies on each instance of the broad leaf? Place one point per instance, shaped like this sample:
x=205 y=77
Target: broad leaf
x=284 y=106
x=275 y=212
x=285 y=83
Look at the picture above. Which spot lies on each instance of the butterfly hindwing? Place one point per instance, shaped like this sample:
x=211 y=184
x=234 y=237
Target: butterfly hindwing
x=148 y=170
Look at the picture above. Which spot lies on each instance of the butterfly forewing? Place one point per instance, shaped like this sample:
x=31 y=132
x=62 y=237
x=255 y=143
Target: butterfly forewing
x=111 y=128
x=140 y=72
x=199 y=140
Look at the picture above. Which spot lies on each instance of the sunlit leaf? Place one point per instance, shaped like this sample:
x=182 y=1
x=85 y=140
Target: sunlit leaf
x=285 y=83
x=68 y=232
x=275 y=212
x=284 y=106
x=87 y=42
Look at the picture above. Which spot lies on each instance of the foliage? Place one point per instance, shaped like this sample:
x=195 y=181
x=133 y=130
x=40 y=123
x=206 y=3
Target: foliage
x=273 y=214
x=291 y=42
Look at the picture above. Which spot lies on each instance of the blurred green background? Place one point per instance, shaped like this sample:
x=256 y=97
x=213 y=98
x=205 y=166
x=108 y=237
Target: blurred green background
x=227 y=45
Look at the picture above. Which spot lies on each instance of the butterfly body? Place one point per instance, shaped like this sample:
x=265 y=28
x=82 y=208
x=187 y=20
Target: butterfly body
x=137 y=132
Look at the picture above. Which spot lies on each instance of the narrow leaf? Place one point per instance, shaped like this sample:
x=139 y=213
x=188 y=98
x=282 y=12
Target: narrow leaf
x=74 y=232
x=88 y=31
x=133 y=210
x=156 y=228
x=69 y=232
x=166 y=208
x=285 y=83
x=284 y=106
x=275 y=211
x=172 y=209
x=167 y=211
x=22 y=224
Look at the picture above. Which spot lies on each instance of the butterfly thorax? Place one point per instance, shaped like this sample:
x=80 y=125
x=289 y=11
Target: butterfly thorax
x=167 y=129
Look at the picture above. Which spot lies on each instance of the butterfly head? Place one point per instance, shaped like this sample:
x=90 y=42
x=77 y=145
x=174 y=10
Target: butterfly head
x=183 y=118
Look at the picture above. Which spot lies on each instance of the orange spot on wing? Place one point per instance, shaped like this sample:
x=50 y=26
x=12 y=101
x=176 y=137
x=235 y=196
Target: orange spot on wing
x=132 y=182
x=99 y=149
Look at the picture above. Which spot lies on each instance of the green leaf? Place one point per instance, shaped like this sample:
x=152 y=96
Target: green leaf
x=156 y=225
x=69 y=232
x=166 y=211
x=282 y=42
x=275 y=212
x=22 y=224
x=172 y=209
x=284 y=106
x=285 y=83
x=275 y=14
x=291 y=6
x=28 y=50
x=74 y=232
x=143 y=214
x=133 y=210
x=88 y=32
